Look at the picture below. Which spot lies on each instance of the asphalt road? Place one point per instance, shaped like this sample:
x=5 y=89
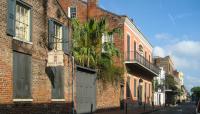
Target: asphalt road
x=186 y=108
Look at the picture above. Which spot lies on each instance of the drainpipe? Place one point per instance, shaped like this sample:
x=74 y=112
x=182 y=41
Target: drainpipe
x=73 y=110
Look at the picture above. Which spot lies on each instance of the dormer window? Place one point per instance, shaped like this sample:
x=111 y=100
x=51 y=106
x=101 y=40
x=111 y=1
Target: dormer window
x=72 y=12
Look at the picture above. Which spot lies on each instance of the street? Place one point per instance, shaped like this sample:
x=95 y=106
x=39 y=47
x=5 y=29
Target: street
x=187 y=108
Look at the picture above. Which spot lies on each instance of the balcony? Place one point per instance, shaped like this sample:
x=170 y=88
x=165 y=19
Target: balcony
x=136 y=61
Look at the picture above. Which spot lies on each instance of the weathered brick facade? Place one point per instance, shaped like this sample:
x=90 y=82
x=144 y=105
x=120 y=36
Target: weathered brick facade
x=107 y=98
x=41 y=85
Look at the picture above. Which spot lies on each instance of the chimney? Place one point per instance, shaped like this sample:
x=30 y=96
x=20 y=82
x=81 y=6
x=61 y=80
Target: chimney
x=92 y=8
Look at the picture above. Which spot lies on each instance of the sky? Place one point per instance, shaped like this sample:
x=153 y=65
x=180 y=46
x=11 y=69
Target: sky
x=171 y=26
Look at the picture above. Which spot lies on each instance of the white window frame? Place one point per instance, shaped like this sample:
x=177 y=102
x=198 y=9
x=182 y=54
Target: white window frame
x=106 y=38
x=70 y=13
x=58 y=38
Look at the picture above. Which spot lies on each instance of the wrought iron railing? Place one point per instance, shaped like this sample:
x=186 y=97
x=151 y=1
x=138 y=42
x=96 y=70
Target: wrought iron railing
x=137 y=57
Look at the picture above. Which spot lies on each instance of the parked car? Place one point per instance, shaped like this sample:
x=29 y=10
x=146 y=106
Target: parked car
x=198 y=108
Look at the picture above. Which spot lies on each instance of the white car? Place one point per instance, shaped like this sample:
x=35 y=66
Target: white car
x=198 y=108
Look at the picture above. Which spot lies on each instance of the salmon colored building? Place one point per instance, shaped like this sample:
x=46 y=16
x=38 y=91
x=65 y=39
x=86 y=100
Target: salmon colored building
x=138 y=64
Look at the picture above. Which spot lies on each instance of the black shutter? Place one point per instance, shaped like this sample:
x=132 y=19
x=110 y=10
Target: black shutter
x=51 y=34
x=21 y=75
x=58 y=88
x=65 y=39
x=11 y=17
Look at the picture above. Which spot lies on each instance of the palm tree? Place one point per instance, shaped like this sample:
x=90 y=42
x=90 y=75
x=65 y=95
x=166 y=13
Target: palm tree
x=87 y=47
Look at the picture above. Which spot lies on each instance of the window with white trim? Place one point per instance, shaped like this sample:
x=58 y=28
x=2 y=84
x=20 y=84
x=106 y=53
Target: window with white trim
x=58 y=36
x=22 y=22
x=106 y=38
x=72 y=12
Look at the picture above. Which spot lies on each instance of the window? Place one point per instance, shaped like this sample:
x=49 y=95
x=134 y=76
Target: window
x=128 y=91
x=21 y=76
x=135 y=88
x=141 y=49
x=22 y=22
x=58 y=83
x=72 y=12
x=58 y=37
x=149 y=90
x=106 y=39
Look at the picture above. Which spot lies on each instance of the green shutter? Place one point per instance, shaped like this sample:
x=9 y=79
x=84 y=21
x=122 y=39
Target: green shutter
x=51 y=34
x=65 y=40
x=11 y=17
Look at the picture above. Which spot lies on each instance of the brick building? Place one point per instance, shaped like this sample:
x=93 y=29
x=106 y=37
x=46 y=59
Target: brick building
x=136 y=55
x=29 y=30
x=106 y=98
x=166 y=63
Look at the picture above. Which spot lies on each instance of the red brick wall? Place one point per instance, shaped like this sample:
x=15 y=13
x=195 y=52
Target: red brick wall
x=106 y=97
x=41 y=85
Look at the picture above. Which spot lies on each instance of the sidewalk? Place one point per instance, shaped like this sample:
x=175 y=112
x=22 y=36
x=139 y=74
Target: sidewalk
x=139 y=111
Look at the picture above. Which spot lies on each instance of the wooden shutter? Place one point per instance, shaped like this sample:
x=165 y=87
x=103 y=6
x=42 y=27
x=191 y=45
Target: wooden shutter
x=51 y=34
x=22 y=75
x=128 y=47
x=58 y=89
x=135 y=87
x=11 y=17
x=65 y=40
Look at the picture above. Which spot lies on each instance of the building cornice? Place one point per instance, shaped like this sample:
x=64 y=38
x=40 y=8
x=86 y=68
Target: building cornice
x=137 y=32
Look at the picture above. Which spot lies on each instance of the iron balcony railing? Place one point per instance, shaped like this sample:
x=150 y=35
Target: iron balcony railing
x=134 y=56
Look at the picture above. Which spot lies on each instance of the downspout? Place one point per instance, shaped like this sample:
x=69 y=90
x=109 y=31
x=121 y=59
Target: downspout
x=73 y=109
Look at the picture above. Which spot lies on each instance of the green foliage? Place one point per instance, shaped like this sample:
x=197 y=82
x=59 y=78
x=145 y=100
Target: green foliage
x=87 y=48
x=171 y=83
x=196 y=91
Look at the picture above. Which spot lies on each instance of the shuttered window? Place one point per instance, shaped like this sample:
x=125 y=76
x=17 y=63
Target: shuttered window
x=58 y=83
x=19 y=20
x=58 y=37
x=21 y=76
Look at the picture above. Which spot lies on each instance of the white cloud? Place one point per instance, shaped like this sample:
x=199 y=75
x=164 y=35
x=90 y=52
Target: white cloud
x=158 y=51
x=187 y=48
x=184 y=53
x=163 y=36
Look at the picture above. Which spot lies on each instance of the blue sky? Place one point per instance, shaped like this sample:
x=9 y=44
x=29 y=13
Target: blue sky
x=172 y=27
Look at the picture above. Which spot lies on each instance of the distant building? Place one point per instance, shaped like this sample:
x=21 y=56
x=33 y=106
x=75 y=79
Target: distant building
x=159 y=94
x=166 y=63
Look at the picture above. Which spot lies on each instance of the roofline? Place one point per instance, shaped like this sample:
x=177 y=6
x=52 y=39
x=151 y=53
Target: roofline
x=102 y=9
x=124 y=20
x=135 y=29
x=132 y=21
